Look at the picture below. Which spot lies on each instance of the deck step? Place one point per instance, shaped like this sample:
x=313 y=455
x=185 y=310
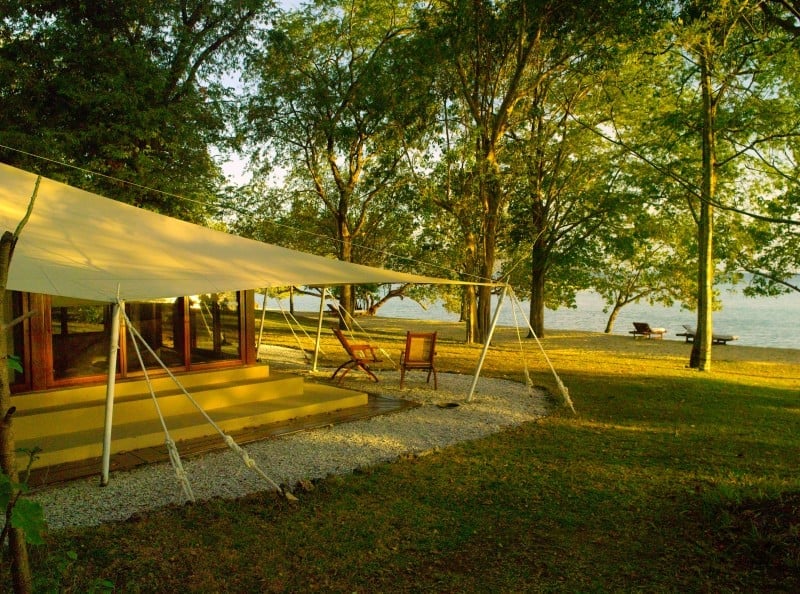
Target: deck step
x=70 y=433
x=86 y=413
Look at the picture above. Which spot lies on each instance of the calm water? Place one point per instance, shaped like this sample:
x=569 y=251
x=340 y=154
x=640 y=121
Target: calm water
x=767 y=322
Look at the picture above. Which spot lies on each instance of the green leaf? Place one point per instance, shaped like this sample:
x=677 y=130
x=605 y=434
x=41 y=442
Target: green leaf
x=29 y=516
x=15 y=363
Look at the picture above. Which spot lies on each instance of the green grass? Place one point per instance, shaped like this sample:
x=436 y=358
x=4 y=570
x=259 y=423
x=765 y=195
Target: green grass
x=666 y=480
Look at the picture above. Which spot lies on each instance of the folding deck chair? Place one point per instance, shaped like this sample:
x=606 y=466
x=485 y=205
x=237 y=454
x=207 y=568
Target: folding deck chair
x=360 y=356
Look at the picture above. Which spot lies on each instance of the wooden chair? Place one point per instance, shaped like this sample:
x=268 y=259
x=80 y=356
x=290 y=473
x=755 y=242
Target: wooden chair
x=644 y=329
x=360 y=357
x=419 y=354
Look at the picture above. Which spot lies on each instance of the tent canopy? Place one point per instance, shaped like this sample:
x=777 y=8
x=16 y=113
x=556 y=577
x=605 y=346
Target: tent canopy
x=81 y=245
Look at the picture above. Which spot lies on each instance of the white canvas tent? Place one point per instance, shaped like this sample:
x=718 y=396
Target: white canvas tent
x=81 y=245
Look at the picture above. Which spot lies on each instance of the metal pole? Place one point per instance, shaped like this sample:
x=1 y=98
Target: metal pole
x=487 y=342
x=319 y=327
x=113 y=349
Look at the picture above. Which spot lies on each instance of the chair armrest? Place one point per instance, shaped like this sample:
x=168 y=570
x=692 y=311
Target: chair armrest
x=365 y=348
x=362 y=347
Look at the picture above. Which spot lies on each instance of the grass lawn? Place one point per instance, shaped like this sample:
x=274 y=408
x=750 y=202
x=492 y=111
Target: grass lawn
x=667 y=479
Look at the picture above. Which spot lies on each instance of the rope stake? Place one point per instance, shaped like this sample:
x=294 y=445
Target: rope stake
x=561 y=387
x=249 y=462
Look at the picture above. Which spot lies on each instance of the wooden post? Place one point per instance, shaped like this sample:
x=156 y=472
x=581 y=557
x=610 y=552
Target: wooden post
x=20 y=565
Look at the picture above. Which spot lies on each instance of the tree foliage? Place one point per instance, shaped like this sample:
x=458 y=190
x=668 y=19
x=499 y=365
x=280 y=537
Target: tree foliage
x=517 y=70
x=727 y=71
x=337 y=108
x=131 y=90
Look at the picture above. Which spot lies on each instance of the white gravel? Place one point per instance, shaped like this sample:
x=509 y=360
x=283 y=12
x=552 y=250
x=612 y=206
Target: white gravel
x=308 y=455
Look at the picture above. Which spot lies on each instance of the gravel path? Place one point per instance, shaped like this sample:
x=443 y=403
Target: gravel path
x=311 y=454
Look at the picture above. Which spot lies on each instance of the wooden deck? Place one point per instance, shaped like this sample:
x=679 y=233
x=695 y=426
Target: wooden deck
x=59 y=473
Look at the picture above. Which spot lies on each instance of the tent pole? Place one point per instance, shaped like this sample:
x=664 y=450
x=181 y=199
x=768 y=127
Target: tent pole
x=319 y=326
x=487 y=342
x=261 y=329
x=113 y=349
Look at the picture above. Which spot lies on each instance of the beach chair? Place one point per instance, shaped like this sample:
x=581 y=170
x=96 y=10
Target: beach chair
x=419 y=354
x=360 y=356
x=644 y=329
x=721 y=339
x=688 y=333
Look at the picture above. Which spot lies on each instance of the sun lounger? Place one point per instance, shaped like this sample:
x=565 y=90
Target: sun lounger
x=690 y=333
x=644 y=329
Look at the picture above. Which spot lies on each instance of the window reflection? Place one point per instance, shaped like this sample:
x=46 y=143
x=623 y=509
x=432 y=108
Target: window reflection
x=160 y=325
x=81 y=334
x=214 y=327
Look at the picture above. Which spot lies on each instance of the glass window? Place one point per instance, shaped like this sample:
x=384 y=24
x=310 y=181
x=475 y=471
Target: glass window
x=81 y=334
x=160 y=324
x=214 y=327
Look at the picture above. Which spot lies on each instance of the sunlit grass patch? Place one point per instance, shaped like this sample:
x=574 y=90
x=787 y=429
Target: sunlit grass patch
x=666 y=479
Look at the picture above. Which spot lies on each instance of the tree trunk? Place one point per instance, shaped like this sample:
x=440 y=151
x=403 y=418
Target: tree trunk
x=484 y=313
x=469 y=306
x=18 y=551
x=346 y=292
x=537 y=300
x=471 y=314
x=373 y=307
x=491 y=199
x=612 y=318
x=701 y=348
x=538 y=269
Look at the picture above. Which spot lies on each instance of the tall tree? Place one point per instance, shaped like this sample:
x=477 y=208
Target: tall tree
x=335 y=109
x=445 y=182
x=128 y=89
x=569 y=187
x=503 y=58
x=715 y=104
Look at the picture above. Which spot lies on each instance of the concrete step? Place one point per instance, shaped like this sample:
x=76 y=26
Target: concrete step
x=60 y=445
x=34 y=402
x=86 y=414
x=73 y=407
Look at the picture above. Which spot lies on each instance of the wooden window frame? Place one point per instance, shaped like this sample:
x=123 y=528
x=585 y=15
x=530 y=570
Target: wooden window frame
x=38 y=347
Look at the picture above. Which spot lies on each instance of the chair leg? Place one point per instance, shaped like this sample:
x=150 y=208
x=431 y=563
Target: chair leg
x=432 y=370
x=363 y=367
x=340 y=368
x=347 y=366
x=344 y=373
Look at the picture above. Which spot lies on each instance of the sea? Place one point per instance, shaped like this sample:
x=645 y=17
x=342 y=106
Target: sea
x=761 y=321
